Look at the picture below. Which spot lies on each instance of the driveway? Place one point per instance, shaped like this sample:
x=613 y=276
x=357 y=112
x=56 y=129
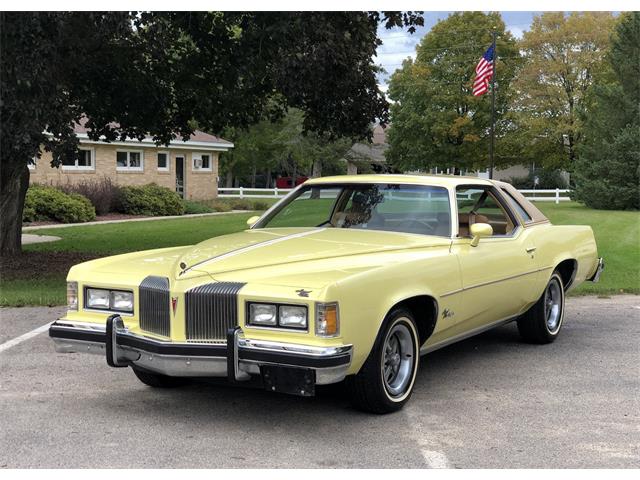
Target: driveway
x=490 y=401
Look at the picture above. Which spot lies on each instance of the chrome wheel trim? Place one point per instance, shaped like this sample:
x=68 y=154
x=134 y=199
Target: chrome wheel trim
x=398 y=359
x=553 y=306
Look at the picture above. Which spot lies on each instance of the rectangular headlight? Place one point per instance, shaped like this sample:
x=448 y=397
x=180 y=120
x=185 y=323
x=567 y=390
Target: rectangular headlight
x=97 y=298
x=263 y=314
x=72 y=295
x=121 y=301
x=327 y=320
x=292 y=316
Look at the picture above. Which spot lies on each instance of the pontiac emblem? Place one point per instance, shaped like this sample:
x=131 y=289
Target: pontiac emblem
x=303 y=293
x=447 y=313
x=174 y=304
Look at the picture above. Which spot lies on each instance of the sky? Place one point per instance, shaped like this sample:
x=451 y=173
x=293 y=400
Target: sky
x=398 y=44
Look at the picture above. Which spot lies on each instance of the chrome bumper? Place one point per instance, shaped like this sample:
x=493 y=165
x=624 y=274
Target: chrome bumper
x=237 y=359
x=596 y=276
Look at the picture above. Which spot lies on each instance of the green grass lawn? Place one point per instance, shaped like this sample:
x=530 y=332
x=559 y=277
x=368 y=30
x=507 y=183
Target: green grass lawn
x=38 y=276
x=618 y=237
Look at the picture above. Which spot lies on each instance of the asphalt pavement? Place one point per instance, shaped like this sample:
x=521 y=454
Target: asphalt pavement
x=490 y=401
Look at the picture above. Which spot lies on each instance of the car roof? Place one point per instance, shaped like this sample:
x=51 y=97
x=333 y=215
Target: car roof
x=447 y=181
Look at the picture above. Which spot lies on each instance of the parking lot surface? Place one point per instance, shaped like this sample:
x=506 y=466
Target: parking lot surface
x=489 y=401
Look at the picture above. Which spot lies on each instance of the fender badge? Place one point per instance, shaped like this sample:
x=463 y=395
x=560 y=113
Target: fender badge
x=303 y=293
x=447 y=313
x=174 y=304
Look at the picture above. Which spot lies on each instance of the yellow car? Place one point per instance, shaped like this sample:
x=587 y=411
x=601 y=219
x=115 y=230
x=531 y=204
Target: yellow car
x=351 y=277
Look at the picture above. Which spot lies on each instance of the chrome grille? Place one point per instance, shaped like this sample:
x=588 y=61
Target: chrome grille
x=211 y=310
x=154 y=305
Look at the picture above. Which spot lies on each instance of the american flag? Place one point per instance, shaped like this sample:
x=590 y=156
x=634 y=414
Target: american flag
x=484 y=72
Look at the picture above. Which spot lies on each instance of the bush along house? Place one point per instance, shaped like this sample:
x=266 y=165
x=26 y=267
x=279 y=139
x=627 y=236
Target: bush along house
x=188 y=167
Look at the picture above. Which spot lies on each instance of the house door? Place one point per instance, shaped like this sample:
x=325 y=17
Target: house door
x=180 y=176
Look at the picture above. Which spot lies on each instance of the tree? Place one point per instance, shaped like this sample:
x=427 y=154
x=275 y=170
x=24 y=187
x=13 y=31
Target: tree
x=161 y=73
x=607 y=172
x=436 y=121
x=562 y=54
x=281 y=145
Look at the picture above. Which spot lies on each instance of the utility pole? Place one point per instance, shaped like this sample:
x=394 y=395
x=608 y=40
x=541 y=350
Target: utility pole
x=493 y=106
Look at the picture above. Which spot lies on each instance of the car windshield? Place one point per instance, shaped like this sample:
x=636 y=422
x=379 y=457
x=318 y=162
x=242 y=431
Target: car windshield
x=417 y=209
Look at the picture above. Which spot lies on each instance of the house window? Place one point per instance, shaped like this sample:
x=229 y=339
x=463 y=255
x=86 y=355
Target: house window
x=201 y=162
x=83 y=161
x=163 y=161
x=129 y=161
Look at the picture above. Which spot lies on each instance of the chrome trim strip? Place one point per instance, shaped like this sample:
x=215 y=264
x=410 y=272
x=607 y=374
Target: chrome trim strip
x=464 y=335
x=280 y=347
x=484 y=284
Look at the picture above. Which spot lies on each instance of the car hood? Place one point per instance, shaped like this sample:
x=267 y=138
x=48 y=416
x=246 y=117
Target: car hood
x=309 y=257
x=285 y=247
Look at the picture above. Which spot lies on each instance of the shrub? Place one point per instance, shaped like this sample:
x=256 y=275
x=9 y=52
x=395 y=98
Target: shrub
x=151 y=199
x=547 y=179
x=219 y=206
x=49 y=203
x=260 y=205
x=102 y=193
x=241 y=204
x=196 y=207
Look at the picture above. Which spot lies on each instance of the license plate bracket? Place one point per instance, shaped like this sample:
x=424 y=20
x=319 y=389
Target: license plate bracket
x=291 y=380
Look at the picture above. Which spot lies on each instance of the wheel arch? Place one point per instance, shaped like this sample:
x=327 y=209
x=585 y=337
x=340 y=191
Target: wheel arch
x=425 y=312
x=567 y=269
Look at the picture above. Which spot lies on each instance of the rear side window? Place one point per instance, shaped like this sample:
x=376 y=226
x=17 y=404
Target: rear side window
x=517 y=207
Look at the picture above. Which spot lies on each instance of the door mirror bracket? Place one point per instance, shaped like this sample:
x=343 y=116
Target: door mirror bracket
x=478 y=231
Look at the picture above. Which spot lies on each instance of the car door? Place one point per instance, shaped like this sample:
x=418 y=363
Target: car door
x=498 y=274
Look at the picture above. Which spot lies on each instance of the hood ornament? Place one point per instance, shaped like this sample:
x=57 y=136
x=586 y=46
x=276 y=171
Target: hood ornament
x=303 y=293
x=174 y=305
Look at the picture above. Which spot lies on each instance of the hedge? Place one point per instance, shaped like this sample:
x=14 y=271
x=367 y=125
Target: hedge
x=49 y=203
x=151 y=199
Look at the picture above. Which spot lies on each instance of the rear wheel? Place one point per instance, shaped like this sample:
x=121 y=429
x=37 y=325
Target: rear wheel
x=157 y=380
x=385 y=382
x=542 y=322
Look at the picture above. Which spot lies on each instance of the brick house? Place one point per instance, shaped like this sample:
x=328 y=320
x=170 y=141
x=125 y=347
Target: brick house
x=190 y=168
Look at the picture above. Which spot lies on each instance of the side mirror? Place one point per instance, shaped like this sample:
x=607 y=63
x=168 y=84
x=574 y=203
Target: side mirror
x=479 y=230
x=251 y=221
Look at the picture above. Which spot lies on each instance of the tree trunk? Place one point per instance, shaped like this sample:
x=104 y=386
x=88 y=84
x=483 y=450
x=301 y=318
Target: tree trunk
x=253 y=177
x=228 y=180
x=316 y=170
x=14 y=181
x=268 y=179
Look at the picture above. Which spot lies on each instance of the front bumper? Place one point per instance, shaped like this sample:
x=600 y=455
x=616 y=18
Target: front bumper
x=238 y=359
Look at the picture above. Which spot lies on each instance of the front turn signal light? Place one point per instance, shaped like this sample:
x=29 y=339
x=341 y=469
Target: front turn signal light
x=72 y=295
x=327 y=320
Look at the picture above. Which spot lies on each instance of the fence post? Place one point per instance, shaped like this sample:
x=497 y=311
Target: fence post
x=557 y=196
x=241 y=192
x=275 y=191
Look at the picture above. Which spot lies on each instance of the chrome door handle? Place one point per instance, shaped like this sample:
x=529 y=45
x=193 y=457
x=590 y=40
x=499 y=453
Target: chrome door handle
x=531 y=249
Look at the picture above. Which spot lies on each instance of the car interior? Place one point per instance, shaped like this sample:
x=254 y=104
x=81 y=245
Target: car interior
x=480 y=205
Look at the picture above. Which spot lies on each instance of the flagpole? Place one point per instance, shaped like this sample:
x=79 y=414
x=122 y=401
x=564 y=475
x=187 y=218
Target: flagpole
x=493 y=106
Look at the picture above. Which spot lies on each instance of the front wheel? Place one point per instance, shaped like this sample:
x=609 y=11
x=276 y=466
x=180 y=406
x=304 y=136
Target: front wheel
x=542 y=322
x=385 y=382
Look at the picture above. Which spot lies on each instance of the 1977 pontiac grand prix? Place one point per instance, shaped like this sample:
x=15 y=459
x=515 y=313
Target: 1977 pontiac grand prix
x=348 y=277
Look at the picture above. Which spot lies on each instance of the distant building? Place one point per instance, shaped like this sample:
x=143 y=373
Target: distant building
x=188 y=167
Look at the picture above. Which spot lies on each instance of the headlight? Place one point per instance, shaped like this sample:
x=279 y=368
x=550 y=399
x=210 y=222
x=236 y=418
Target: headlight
x=115 y=300
x=327 y=320
x=292 y=316
x=262 y=314
x=72 y=295
x=121 y=301
x=275 y=315
x=97 y=298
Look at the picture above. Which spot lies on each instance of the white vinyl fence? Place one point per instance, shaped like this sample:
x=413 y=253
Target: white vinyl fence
x=556 y=195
